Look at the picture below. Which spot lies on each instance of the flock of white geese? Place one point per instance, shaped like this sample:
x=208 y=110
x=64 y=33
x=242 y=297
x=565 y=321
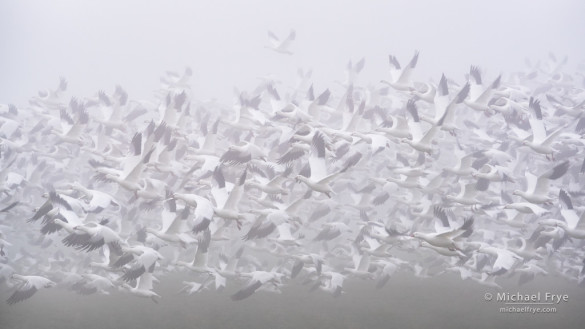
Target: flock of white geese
x=474 y=176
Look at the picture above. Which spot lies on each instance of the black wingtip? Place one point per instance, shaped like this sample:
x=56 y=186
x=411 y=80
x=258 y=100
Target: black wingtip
x=475 y=74
x=394 y=61
x=559 y=170
x=319 y=144
x=565 y=199
x=414 y=59
x=463 y=93
x=412 y=109
x=443 y=87
x=441 y=214
x=534 y=104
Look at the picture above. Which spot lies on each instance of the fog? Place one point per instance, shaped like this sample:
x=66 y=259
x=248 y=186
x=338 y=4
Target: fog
x=67 y=150
x=406 y=303
x=96 y=45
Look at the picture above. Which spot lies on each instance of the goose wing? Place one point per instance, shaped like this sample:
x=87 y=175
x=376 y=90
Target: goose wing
x=236 y=193
x=407 y=72
x=567 y=211
x=24 y=291
x=247 y=291
x=536 y=123
x=505 y=261
x=556 y=172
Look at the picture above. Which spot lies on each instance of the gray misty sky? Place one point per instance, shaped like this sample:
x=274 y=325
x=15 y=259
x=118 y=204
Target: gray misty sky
x=98 y=44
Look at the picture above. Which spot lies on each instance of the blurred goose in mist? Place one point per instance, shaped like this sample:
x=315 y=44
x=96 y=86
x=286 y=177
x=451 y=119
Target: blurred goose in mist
x=92 y=236
x=527 y=208
x=174 y=226
x=401 y=77
x=192 y=287
x=420 y=142
x=145 y=259
x=281 y=46
x=111 y=108
x=505 y=260
x=537 y=187
x=318 y=180
x=447 y=239
x=573 y=224
x=92 y=283
x=200 y=262
x=480 y=96
x=257 y=280
x=28 y=285
x=445 y=108
x=173 y=80
x=395 y=126
x=72 y=124
x=332 y=282
x=97 y=200
x=143 y=288
x=541 y=141
x=51 y=98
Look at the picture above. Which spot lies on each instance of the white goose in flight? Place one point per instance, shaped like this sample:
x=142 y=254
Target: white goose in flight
x=199 y=263
x=28 y=286
x=395 y=126
x=448 y=239
x=445 y=107
x=112 y=109
x=420 y=142
x=541 y=141
x=401 y=77
x=361 y=263
x=527 y=208
x=96 y=200
x=257 y=279
x=270 y=219
x=505 y=261
x=204 y=209
x=145 y=259
x=72 y=126
x=92 y=236
x=143 y=287
x=537 y=187
x=174 y=225
x=318 y=179
x=574 y=225
x=130 y=177
x=227 y=204
x=479 y=97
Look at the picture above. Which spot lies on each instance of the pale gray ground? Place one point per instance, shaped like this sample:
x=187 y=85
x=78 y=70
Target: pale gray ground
x=405 y=302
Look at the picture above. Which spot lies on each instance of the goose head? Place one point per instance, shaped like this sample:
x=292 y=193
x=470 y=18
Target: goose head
x=300 y=178
x=50 y=284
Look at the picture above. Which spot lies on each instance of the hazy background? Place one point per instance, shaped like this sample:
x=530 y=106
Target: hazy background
x=98 y=44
